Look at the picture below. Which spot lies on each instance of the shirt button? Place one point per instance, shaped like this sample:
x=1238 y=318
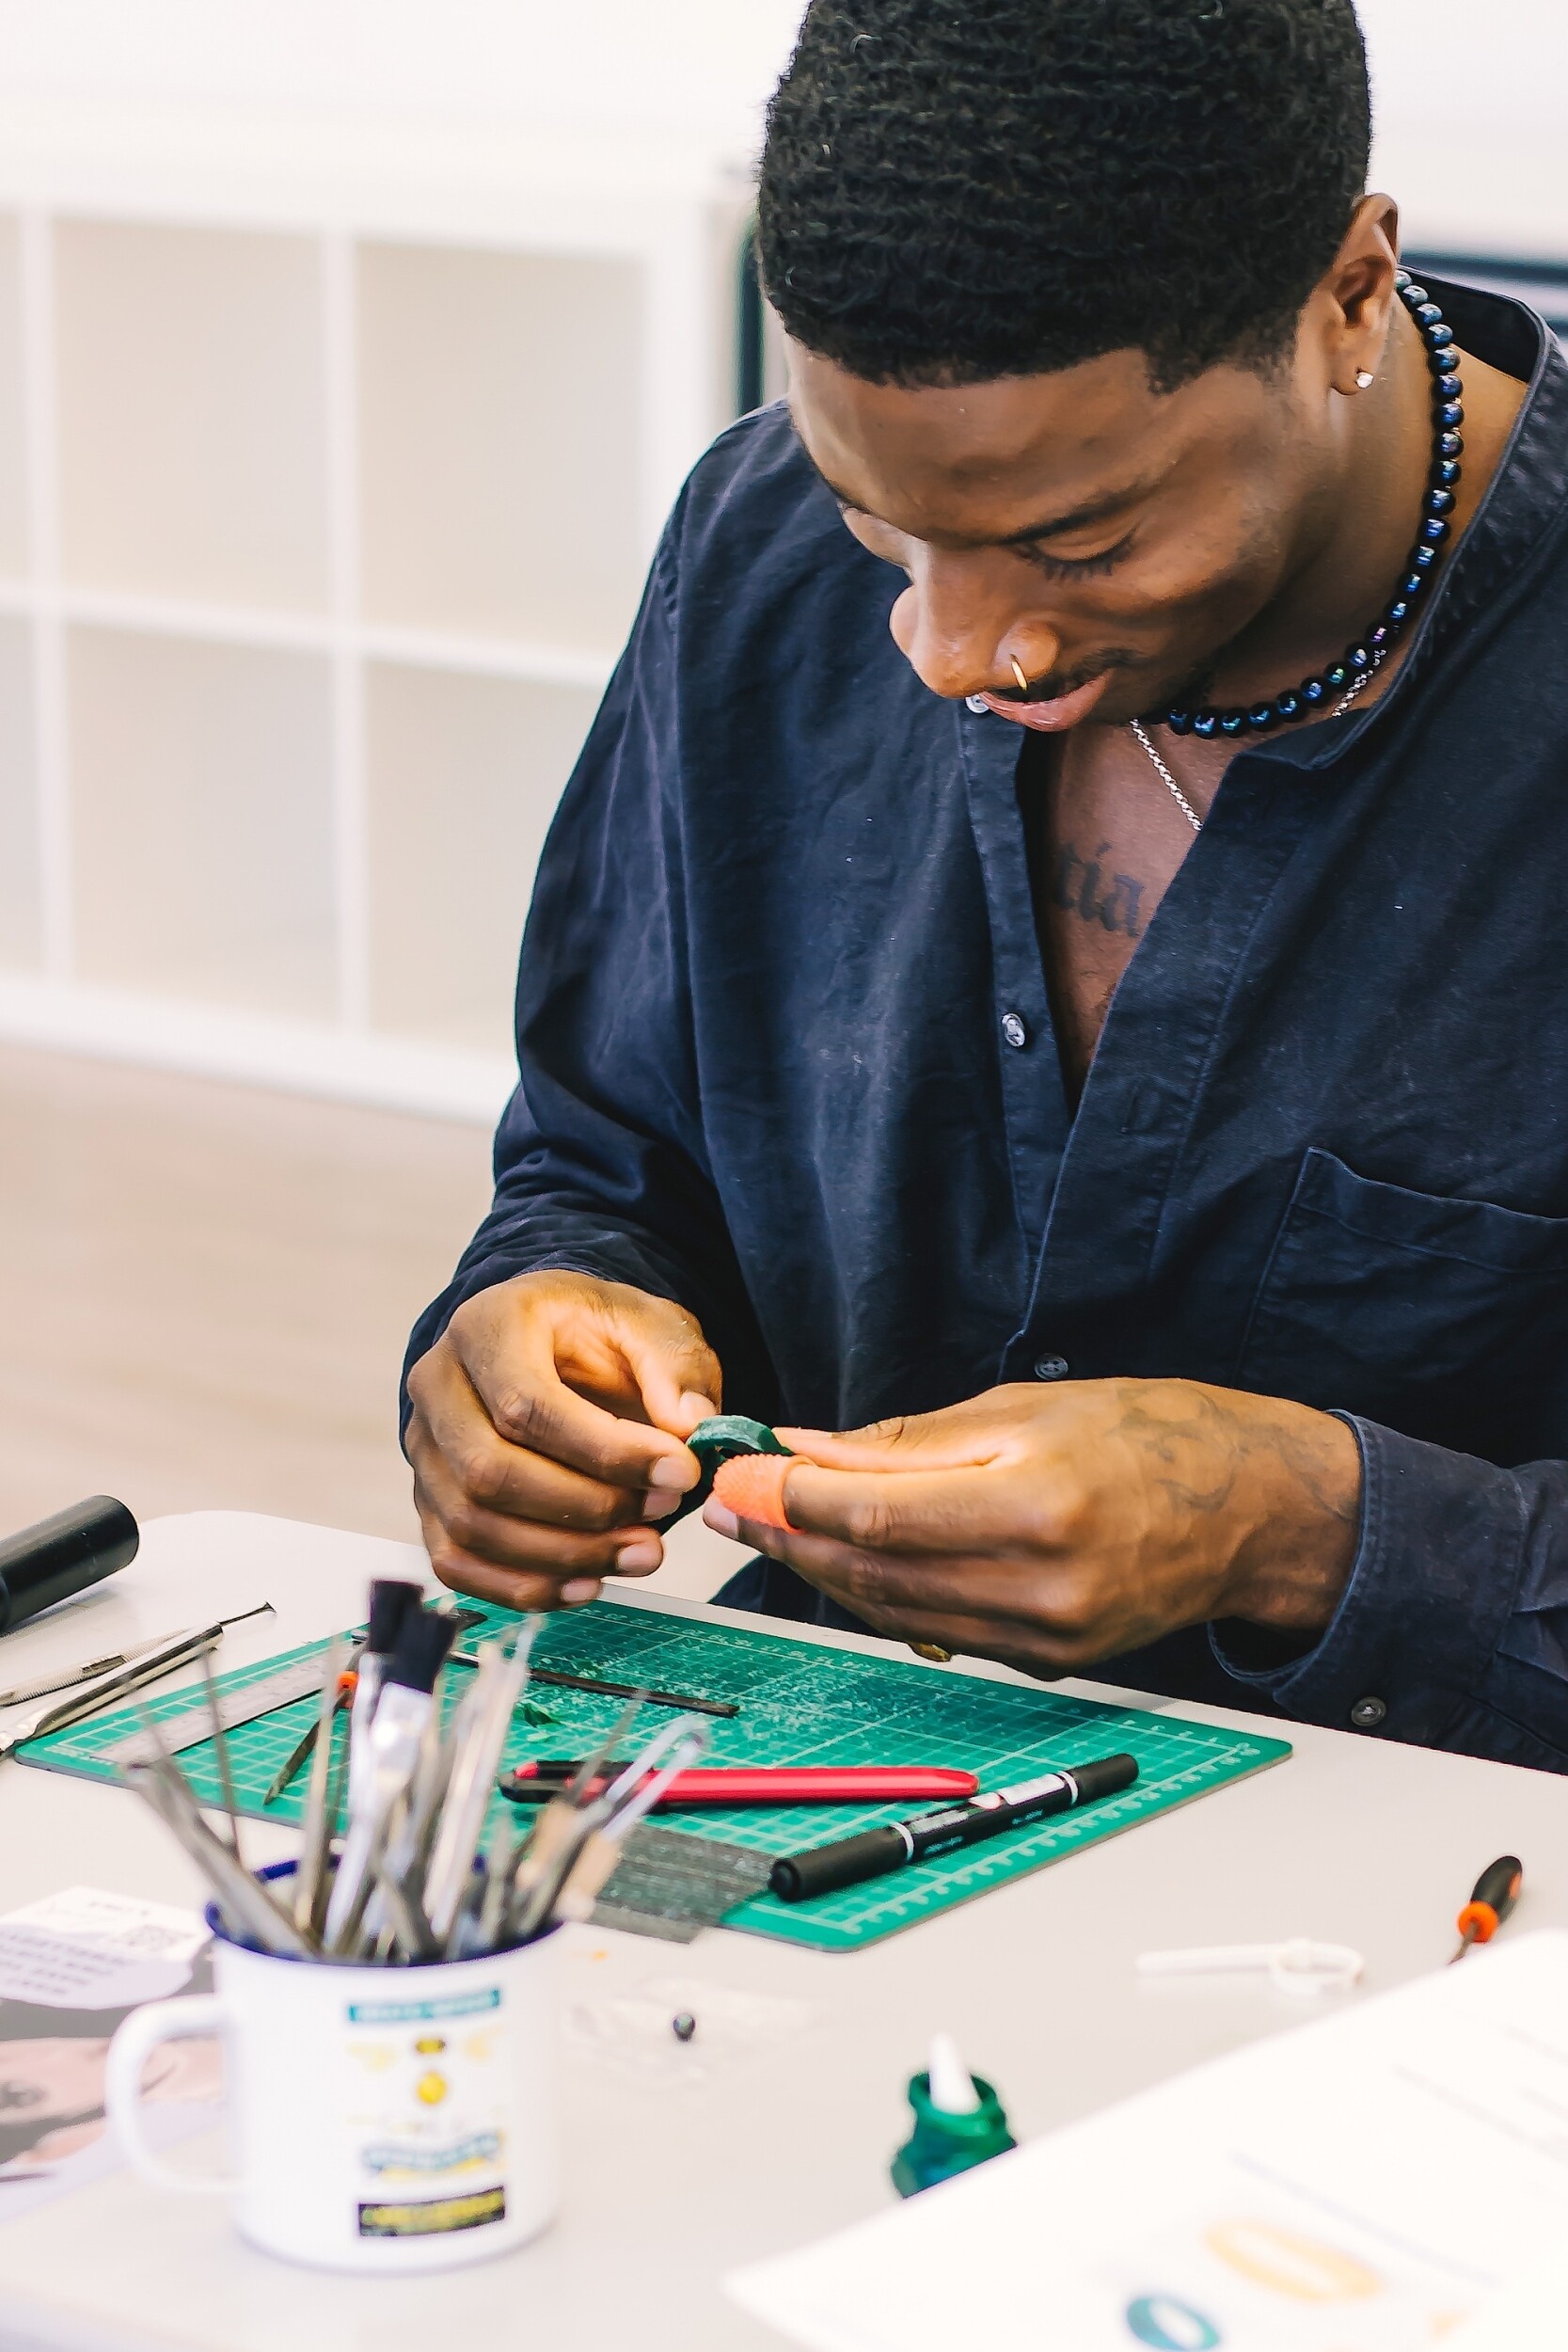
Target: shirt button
x=1050 y=1367
x=975 y=703
x=1368 y=1713
x=1014 y=1030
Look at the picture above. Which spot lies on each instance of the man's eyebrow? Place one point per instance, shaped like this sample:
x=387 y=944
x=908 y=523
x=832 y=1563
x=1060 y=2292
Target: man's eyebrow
x=1079 y=519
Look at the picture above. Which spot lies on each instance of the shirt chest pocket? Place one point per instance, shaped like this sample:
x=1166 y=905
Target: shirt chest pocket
x=1445 y=1319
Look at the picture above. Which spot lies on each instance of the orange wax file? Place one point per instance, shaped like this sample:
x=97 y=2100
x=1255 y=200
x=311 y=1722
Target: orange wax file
x=751 y=1486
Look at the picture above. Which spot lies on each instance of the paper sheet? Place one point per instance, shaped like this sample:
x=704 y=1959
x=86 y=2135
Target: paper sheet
x=1366 y=2183
x=70 y=1967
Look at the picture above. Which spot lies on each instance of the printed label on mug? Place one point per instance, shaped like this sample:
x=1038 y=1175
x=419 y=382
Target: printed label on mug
x=426 y=2112
x=433 y=2215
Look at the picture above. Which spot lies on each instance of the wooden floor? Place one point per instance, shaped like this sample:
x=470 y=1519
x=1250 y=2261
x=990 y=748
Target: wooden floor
x=205 y=1291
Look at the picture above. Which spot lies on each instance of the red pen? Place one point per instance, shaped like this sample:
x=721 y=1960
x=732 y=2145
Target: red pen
x=763 y=1783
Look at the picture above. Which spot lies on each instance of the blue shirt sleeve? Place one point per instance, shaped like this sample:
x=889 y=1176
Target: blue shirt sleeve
x=1452 y=1631
x=599 y=1158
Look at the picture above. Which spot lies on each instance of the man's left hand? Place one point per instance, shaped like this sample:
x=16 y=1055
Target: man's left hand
x=1051 y=1528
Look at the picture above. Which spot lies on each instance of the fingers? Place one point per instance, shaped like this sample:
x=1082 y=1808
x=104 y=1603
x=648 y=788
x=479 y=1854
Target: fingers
x=1004 y=1608
x=508 y=1540
x=956 y=1438
x=507 y=1587
x=677 y=1373
x=915 y=1607
x=456 y=1450
x=514 y=1350
x=939 y=1513
x=543 y=1435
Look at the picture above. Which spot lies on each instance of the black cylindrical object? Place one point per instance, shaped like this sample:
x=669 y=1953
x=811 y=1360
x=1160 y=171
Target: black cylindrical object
x=63 y=1555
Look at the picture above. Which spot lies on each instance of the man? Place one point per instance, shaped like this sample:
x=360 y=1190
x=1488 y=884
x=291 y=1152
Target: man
x=1055 y=936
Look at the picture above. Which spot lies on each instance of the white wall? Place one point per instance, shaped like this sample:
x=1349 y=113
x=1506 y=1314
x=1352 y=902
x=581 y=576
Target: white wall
x=686 y=65
x=1472 y=100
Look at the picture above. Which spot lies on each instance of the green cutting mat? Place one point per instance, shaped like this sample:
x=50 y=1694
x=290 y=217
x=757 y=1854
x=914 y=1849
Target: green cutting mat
x=800 y=1703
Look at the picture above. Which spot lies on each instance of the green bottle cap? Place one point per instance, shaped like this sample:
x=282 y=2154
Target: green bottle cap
x=942 y=2143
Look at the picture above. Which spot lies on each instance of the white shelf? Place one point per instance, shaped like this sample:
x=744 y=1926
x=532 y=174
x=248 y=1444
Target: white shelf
x=200 y=785
x=287 y=633
x=13 y=467
x=331 y=460
x=204 y=475
x=20 y=878
x=447 y=902
x=499 y=420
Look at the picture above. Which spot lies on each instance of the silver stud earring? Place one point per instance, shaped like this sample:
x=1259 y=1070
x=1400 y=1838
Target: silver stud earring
x=1365 y=379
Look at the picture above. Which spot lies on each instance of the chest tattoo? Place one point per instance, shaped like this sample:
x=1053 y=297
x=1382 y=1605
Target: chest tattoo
x=1079 y=885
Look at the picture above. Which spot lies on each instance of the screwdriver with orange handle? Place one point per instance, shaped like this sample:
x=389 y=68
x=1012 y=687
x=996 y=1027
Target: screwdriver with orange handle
x=294 y=1763
x=1494 y=1895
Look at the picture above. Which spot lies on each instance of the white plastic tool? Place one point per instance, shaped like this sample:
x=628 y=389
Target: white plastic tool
x=1296 y=1965
x=949 y=2082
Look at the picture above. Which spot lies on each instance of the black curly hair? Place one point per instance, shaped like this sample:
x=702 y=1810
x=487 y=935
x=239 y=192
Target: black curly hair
x=955 y=190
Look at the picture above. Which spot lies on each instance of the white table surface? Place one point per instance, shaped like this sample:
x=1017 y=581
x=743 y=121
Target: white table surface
x=1352 y=1839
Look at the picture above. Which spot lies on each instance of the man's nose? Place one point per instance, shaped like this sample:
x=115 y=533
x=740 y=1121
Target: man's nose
x=958 y=641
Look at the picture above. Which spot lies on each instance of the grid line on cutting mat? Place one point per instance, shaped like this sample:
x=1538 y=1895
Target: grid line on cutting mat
x=800 y=1703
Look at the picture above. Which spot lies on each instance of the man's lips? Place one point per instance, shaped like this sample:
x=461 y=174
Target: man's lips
x=1061 y=711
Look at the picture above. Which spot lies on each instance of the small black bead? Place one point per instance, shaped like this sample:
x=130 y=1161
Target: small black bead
x=1428 y=311
x=1262 y=716
x=1412 y=584
x=1437 y=336
x=1398 y=612
x=1379 y=636
x=1313 y=691
x=1434 y=530
x=1414 y=296
x=1439 y=503
x=1205 y=724
x=1232 y=721
x=1445 y=473
x=1451 y=412
x=1179 y=722
x=1359 y=659
x=1287 y=705
x=1336 y=676
x=1451 y=444
x=1422 y=557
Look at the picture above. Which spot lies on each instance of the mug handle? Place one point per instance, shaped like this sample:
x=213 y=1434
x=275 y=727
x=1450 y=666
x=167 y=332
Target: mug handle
x=133 y=2045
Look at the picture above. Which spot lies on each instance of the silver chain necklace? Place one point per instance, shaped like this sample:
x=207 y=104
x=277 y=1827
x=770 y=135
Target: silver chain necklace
x=1188 y=811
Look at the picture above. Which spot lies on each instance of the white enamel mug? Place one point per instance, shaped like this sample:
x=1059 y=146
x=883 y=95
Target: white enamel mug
x=381 y=2119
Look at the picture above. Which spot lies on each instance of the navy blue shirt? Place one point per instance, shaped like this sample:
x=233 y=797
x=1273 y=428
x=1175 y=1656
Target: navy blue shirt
x=787 y=1056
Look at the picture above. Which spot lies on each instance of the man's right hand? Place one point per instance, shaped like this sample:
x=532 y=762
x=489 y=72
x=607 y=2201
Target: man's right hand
x=545 y=1432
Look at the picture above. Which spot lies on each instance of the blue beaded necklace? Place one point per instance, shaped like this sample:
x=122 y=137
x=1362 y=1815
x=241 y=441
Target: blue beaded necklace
x=1361 y=661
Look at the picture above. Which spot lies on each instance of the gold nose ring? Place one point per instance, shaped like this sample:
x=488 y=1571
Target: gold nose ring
x=1017 y=672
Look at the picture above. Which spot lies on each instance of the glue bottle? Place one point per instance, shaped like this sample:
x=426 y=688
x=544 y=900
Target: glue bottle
x=957 y=2122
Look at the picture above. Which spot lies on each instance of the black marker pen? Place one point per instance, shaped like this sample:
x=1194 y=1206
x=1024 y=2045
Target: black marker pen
x=875 y=1851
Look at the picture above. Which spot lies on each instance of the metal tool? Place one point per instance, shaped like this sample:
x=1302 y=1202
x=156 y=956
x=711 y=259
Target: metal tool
x=66 y=1678
x=247 y=1907
x=683 y=1700
x=300 y=1755
x=148 y=1666
x=310 y=1871
x=270 y=1693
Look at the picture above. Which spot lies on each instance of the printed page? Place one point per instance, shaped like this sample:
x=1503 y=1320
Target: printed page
x=72 y=1966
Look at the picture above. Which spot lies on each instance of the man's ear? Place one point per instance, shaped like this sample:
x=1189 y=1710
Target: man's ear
x=1356 y=293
